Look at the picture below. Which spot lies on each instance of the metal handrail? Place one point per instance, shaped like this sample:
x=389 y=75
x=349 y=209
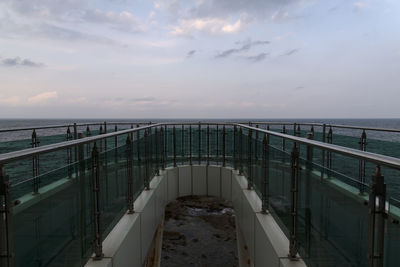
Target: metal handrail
x=372 y=157
x=67 y=125
x=330 y=125
x=368 y=156
x=21 y=154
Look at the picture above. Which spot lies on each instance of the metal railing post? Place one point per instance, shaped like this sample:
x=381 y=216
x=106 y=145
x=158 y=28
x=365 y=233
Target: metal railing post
x=234 y=147
x=129 y=170
x=81 y=169
x=217 y=145
x=240 y=151
x=199 y=143
x=294 y=183
x=101 y=140
x=162 y=148
x=223 y=146
x=116 y=137
x=361 y=167
x=323 y=151
x=376 y=221
x=88 y=133
x=283 y=139
x=183 y=144
x=208 y=144
x=174 y=143
x=146 y=159
x=6 y=225
x=157 y=150
x=309 y=155
x=255 y=147
x=165 y=145
x=105 y=139
x=98 y=247
x=35 y=164
x=329 y=154
x=190 y=144
x=69 y=154
x=265 y=166
x=75 y=137
x=249 y=160
x=139 y=158
x=298 y=130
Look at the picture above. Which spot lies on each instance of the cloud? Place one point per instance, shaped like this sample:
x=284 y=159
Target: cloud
x=246 y=45
x=254 y=8
x=258 y=58
x=122 y=21
x=360 y=5
x=190 y=53
x=291 y=52
x=209 y=25
x=10 y=101
x=279 y=16
x=43 y=97
x=17 y=61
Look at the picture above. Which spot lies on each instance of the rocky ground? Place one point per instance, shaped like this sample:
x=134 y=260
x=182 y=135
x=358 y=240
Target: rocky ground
x=199 y=231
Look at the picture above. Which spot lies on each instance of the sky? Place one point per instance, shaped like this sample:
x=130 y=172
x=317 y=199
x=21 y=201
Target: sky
x=199 y=59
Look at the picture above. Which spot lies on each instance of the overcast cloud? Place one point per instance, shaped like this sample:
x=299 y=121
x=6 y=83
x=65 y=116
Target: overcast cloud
x=190 y=58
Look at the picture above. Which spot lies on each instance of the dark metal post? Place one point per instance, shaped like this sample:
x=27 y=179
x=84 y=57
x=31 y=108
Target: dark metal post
x=223 y=146
x=234 y=147
x=88 y=133
x=208 y=144
x=162 y=148
x=69 y=154
x=329 y=154
x=138 y=150
x=35 y=164
x=157 y=150
x=116 y=137
x=283 y=139
x=129 y=169
x=146 y=158
x=265 y=166
x=323 y=151
x=361 y=167
x=75 y=137
x=81 y=169
x=217 y=146
x=294 y=129
x=199 y=143
x=294 y=183
x=101 y=140
x=240 y=151
x=98 y=247
x=376 y=223
x=255 y=146
x=249 y=160
x=165 y=145
x=309 y=136
x=190 y=144
x=183 y=144
x=6 y=230
x=105 y=139
x=174 y=140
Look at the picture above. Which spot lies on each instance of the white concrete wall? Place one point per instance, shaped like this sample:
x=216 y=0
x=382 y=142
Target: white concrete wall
x=129 y=241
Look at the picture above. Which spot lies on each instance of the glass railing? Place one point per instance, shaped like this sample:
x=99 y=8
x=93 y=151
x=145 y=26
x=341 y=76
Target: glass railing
x=65 y=198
